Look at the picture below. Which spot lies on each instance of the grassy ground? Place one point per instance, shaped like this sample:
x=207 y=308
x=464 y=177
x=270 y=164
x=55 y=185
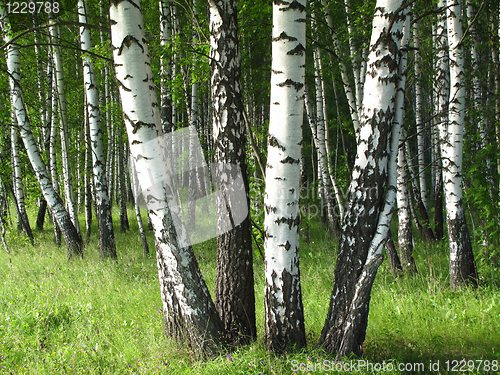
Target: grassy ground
x=103 y=317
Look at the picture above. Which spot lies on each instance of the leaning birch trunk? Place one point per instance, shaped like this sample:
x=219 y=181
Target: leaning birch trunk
x=107 y=245
x=371 y=193
x=188 y=310
x=284 y=319
x=234 y=286
x=23 y=223
x=64 y=131
x=462 y=264
x=73 y=240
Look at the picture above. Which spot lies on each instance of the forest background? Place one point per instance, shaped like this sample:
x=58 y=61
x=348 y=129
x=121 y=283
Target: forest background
x=328 y=63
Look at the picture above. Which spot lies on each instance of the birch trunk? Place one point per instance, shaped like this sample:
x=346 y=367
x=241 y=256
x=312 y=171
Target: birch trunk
x=64 y=130
x=405 y=232
x=142 y=230
x=350 y=93
x=73 y=240
x=462 y=264
x=23 y=223
x=284 y=319
x=52 y=150
x=321 y=145
x=189 y=313
x=234 y=289
x=165 y=66
x=107 y=245
x=419 y=120
x=372 y=190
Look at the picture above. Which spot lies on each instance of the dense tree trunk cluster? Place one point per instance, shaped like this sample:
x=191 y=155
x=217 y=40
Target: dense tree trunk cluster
x=402 y=117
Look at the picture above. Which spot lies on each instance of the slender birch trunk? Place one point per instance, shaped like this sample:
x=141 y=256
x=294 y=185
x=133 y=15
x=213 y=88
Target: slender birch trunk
x=135 y=189
x=234 y=289
x=165 y=66
x=54 y=174
x=43 y=113
x=462 y=264
x=23 y=223
x=107 y=245
x=284 y=320
x=73 y=240
x=321 y=145
x=372 y=190
x=189 y=313
x=419 y=120
x=405 y=232
x=350 y=93
x=87 y=190
x=64 y=130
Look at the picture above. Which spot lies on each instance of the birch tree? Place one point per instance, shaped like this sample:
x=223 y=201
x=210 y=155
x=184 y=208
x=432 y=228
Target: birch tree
x=63 y=118
x=462 y=264
x=234 y=290
x=284 y=321
x=103 y=206
x=189 y=312
x=369 y=204
x=72 y=237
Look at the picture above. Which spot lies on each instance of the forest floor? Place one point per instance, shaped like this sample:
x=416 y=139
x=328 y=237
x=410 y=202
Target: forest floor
x=104 y=317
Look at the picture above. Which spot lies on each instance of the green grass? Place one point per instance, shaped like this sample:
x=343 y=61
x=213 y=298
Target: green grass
x=104 y=317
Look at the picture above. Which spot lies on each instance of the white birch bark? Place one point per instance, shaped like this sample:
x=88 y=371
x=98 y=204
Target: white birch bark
x=54 y=174
x=372 y=190
x=189 y=312
x=72 y=237
x=135 y=187
x=107 y=245
x=22 y=219
x=462 y=265
x=64 y=130
x=283 y=297
x=321 y=143
x=419 y=120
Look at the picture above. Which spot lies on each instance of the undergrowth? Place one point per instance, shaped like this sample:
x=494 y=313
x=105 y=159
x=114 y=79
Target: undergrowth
x=104 y=317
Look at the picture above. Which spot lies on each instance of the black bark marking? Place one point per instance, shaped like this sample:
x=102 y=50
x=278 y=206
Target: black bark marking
x=273 y=142
x=290 y=221
x=298 y=50
x=127 y=42
x=287 y=245
x=291 y=83
x=285 y=36
x=294 y=5
x=270 y=209
x=290 y=160
x=139 y=124
x=125 y=88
